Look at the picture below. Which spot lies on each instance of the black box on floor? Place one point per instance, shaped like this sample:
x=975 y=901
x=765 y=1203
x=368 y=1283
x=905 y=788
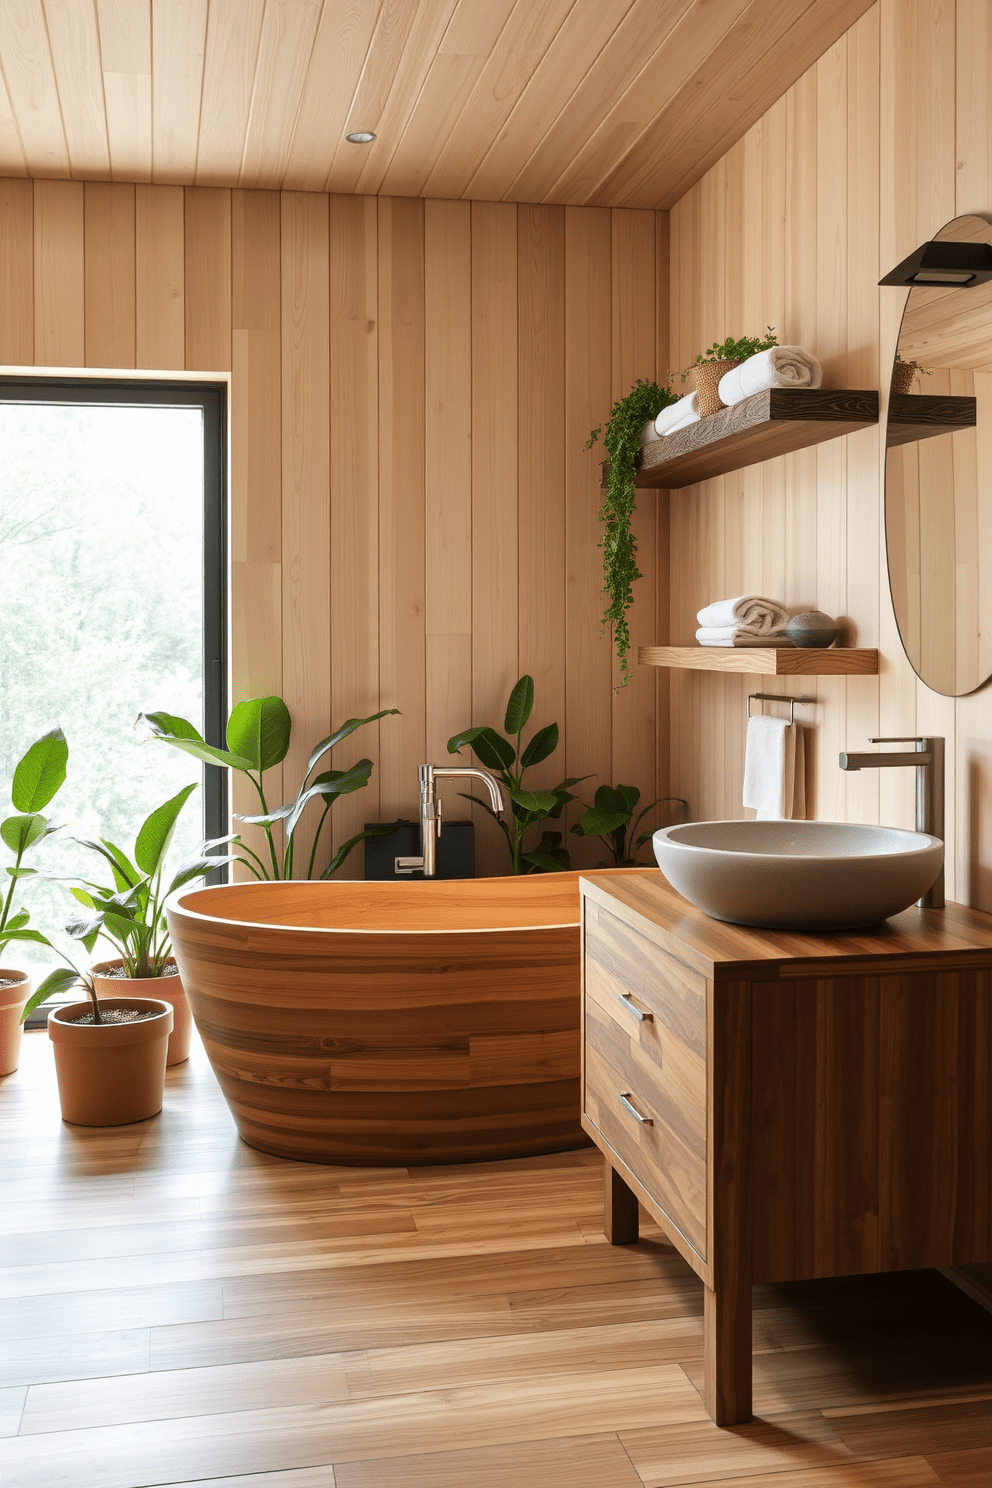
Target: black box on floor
x=455 y=851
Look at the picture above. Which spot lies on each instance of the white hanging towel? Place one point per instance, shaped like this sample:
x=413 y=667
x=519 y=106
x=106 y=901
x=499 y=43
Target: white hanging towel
x=775 y=769
x=749 y=612
x=779 y=366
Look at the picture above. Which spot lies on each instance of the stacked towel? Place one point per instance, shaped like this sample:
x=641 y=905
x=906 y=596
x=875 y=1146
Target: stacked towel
x=775 y=769
x=748 y=620
x=677 y=415
x=780 y=366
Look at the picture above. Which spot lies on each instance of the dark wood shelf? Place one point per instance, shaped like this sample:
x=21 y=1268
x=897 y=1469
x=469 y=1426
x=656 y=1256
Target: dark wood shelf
x=914 y=416
x=770 y=423
x=779 y=661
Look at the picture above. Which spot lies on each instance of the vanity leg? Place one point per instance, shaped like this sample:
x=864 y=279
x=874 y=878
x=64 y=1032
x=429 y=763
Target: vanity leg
x=619 y=1208
x=727 y=1354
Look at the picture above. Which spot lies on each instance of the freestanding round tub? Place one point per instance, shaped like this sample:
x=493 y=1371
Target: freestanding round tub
x=390 y=1024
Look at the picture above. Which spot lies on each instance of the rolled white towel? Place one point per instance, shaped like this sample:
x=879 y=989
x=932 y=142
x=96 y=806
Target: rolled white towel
x=677 y=415
x=648 y=433
x=732 y=635
x=747 y=611
x=780 y=366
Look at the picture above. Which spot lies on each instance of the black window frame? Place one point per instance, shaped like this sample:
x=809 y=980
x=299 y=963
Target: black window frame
x=211 y=398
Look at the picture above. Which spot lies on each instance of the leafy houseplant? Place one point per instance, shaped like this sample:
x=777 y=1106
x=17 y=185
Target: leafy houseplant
x=610 y=818
x=904 y=374
x=711 y=364
x=623 y=442
x=258 y=737
x=528 y=808
x=38 y=776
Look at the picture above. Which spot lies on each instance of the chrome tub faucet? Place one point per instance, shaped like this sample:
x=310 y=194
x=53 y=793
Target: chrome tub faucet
x=928 y=760
x=430 y=812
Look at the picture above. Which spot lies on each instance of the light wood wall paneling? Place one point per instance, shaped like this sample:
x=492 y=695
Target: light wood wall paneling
x=281 y=65
x=662 y=694
x=256 y=466
x=402 y=600
x=16 y=273
x=634 y=322
x=306 y=538
x=160 y=276
x=30 y=78
x=179 y=34
x=126 y=57
x=207 y=287
x=109 y=269
x=340 y=49
x=74 y=43
x=11 y=154
x=233 y=31
x=59 y=319
x=973 y=714
x=540 y=451
x=495 y=582
x=588 y=668
x=355 y=501
x=448 y=478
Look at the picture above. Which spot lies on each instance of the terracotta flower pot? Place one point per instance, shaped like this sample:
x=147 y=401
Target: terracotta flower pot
x=12 y=1000
x=110 y=1074
x=165 y=989
x=705 y=378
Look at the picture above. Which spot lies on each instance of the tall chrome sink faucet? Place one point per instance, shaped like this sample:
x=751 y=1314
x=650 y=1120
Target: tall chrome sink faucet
x=430 y=812
x=928 y=759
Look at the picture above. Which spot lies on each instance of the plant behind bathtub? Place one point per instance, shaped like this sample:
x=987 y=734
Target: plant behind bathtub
x=258 y=737
x=529 y=808
x=611 y=818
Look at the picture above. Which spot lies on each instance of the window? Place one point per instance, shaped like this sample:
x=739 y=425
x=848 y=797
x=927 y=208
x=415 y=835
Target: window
x=113 y=562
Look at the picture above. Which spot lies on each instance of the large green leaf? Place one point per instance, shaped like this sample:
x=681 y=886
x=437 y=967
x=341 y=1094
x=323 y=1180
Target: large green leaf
x=20 y=832
x=123 y=868
x=518 y=708
x=342 y=733
x=544 y=742
x=598 y=822
x=541 y=801
x=183 y=736
x=332 y=783
x=259 y=730
x=40 y=773
x=56 y=981
x=495 y=752
x=549 y=856
x=194 y=868
x=156 y=831
x=381 y=829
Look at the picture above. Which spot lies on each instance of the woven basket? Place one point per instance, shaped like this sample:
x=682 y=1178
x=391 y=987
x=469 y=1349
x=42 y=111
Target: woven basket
x=903 y=377
x=705 y=379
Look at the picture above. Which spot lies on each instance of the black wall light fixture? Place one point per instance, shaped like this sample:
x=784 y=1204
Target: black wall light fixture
x=950 y=263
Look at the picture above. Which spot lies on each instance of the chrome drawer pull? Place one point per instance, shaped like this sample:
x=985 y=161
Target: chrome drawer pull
x=624 y=1000
x=644 y=1120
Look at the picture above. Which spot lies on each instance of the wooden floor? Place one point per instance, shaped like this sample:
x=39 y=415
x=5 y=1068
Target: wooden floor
x=177 y=1308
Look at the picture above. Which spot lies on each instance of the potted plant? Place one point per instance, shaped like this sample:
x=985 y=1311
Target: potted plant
x=610 y=819
x=37 y=778
x=528 y=808
x=623 y=443
x=130 y=913
x=904 y=374
x=258 y=737
x=711 y=364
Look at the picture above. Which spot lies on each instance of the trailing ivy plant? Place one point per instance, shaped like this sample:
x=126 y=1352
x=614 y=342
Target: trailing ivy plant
x=623 y=443
x=528 y=808
x=735 y=351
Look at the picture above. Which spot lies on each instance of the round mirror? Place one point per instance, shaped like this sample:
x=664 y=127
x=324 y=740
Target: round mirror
x=938 y=477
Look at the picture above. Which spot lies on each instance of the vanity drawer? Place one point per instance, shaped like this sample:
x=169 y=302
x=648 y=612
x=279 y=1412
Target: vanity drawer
x=674 y=1176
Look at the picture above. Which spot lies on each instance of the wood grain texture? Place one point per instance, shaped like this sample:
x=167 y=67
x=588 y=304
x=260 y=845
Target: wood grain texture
x=779 y=661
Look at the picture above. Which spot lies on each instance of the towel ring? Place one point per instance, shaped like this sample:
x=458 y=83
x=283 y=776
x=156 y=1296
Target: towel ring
x=778 y=697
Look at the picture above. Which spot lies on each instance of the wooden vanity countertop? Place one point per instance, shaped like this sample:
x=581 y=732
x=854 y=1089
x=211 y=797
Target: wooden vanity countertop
x=958 y=936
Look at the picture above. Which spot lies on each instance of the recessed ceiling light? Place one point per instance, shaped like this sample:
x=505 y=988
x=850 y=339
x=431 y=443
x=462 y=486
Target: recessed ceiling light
x=360 y=137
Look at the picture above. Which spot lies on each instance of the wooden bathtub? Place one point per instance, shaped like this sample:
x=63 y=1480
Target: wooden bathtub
x=390 y=1024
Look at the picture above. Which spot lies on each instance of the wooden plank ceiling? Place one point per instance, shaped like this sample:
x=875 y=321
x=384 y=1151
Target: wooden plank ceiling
x=597 y=102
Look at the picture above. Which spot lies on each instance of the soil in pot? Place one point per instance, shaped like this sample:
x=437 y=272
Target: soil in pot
x=108 y=977
x=110 y=1074
x=15 y=989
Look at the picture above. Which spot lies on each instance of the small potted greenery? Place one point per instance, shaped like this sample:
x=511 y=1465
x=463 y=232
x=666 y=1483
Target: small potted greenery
x=711 y=364
x=258 y=735
x=37 y=779
x=528 y=808
x=904 y=374
x=623 y=444
x=610 y=818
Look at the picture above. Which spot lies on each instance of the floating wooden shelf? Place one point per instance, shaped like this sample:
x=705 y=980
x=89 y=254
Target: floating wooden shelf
x=914 y=416
x=780 y=661
x=765 y=425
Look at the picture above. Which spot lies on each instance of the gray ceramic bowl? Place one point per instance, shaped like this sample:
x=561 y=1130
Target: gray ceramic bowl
x=811 y=628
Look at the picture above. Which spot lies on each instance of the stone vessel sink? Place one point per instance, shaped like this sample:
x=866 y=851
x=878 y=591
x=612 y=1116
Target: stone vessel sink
x=798 y=875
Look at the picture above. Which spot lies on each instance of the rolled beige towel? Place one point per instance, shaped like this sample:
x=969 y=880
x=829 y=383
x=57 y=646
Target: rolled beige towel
x=779 y=366
x=753 y=612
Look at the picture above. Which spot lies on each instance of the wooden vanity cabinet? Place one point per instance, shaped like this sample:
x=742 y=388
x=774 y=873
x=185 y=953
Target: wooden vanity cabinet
x=787 y=1106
